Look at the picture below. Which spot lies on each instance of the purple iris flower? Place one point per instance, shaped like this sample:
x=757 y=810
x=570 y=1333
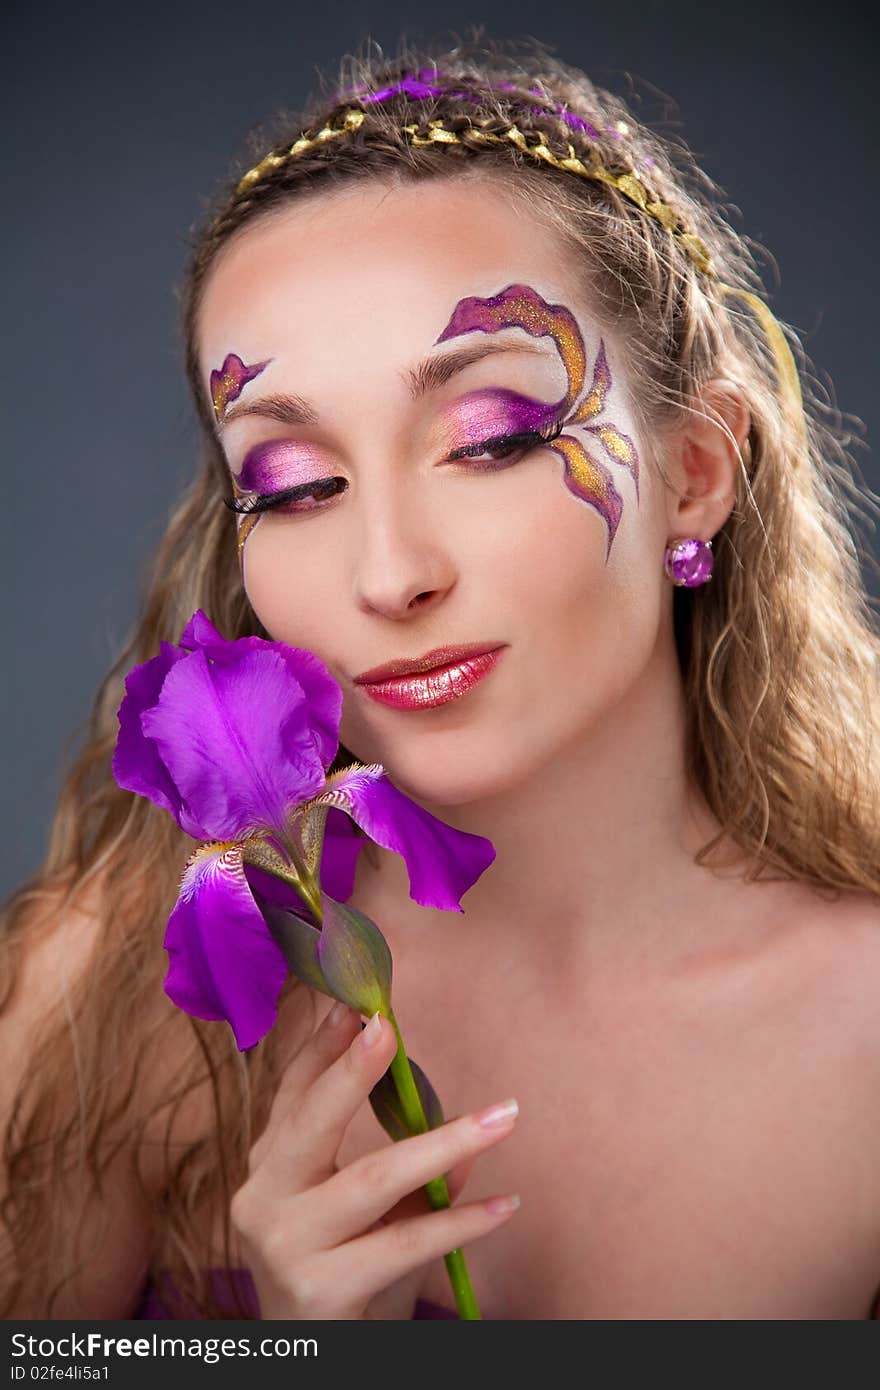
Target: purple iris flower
x=234 y=740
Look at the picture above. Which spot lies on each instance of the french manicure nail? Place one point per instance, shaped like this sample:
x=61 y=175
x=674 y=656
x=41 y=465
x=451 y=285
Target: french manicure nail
x=373 y=1031
x=498 y=1114
x=499 y=1206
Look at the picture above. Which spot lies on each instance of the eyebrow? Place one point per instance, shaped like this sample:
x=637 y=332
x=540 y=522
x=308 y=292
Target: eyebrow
x=428 y=376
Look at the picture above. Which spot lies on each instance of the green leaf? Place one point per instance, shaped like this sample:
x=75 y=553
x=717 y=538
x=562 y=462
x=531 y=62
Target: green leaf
x=354 y=958
x=387 y=1108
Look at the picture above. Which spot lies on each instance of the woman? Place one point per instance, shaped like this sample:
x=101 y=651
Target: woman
x=487 y=384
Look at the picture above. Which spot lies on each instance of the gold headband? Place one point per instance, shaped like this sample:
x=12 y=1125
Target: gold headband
x=629 y=184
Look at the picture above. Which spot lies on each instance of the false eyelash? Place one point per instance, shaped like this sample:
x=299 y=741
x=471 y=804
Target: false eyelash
x=261 y=502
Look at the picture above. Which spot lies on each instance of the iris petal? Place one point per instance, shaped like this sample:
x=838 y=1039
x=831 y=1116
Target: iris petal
x=236 y=741
x=136 y=763
x=224 y=962
x=339 y=855
x=323 y=694
x=443 y=863
x=200 y=632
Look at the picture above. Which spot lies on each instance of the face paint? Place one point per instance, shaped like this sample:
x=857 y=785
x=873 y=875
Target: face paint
x=245 y=524
x=273 y=467
x=587 y=478
x=228 y=384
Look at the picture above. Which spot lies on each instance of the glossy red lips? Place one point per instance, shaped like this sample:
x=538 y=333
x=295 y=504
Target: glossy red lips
x=437 y=686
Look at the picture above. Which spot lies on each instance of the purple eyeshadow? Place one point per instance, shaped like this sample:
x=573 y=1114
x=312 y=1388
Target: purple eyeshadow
x=495 y=411
x=279 y=464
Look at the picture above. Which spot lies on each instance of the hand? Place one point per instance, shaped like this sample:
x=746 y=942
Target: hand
x=327 y=1243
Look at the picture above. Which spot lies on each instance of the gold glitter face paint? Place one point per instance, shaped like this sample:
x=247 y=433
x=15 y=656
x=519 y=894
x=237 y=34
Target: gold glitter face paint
x=246 y=524
x=586 y=477
x=228 y=384
x=519 y=306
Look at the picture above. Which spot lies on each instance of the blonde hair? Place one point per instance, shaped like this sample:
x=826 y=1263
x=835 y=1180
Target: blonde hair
x=779 y=654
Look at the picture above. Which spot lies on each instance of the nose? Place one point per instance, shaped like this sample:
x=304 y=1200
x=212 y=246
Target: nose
x=402 y=556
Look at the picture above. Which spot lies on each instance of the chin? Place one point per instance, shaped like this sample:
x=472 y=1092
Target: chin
x=453 y=779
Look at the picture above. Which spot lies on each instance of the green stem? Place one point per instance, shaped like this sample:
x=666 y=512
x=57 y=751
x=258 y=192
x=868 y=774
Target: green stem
x=298 y=876
x=436 y=1189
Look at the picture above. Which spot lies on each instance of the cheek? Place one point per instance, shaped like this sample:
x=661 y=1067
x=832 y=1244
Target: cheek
x=594 y=617
x=290 y=598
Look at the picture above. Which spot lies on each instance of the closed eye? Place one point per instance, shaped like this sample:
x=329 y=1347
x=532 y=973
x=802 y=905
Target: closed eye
x=263 y=502
x=504 y=444
x=499 y=447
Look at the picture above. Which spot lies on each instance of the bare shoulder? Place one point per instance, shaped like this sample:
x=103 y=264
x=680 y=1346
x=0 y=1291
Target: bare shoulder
x=826 y=947
x=845 y=939
x=840 y=944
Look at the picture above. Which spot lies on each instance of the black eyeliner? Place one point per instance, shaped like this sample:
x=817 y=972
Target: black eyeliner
x=522 y=440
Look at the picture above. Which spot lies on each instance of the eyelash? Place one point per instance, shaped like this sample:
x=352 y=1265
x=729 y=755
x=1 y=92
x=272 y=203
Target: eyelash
x=510 y=443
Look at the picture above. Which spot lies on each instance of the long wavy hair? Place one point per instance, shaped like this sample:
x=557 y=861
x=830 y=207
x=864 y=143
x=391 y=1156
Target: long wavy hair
x=779 y=654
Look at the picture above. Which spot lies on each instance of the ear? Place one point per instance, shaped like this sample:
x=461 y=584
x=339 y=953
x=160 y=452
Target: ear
x=704 y=462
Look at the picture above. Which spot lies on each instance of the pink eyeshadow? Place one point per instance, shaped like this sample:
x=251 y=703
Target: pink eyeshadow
x=492 y=412
x=279 y=464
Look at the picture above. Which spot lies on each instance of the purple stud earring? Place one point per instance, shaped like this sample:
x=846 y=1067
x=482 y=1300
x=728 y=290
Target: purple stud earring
x=688 y=563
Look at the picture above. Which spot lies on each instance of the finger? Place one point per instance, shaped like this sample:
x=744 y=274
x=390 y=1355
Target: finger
x=458 y=1175
x=417 y=1203
x=339 y=1026
x=307 y=1137
x=353 y=1199
x=336 y=1031
x=361 y=1268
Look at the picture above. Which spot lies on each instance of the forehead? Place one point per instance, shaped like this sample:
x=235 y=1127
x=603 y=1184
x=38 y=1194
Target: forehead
x=375 y=269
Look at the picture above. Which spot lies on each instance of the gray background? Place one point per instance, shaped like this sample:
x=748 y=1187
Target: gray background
x=116 y=122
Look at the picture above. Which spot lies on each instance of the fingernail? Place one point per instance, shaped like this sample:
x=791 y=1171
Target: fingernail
x=337 y=1014
x=373 y=1031
x=499 y=1206
x=498 y=1114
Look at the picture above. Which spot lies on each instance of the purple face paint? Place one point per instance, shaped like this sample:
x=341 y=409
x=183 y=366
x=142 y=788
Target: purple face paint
x=587 y=478
x=228 y=384
x=519 y=306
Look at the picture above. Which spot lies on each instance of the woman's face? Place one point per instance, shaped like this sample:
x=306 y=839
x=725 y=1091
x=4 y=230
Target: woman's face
x=335 y=314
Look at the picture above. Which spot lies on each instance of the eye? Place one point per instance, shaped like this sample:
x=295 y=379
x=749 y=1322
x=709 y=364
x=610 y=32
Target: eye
x=502 y=446
x=320 y=490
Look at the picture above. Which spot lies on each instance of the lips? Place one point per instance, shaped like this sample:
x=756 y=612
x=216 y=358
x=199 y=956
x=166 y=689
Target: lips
x=436 y=686
x=433 y=660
